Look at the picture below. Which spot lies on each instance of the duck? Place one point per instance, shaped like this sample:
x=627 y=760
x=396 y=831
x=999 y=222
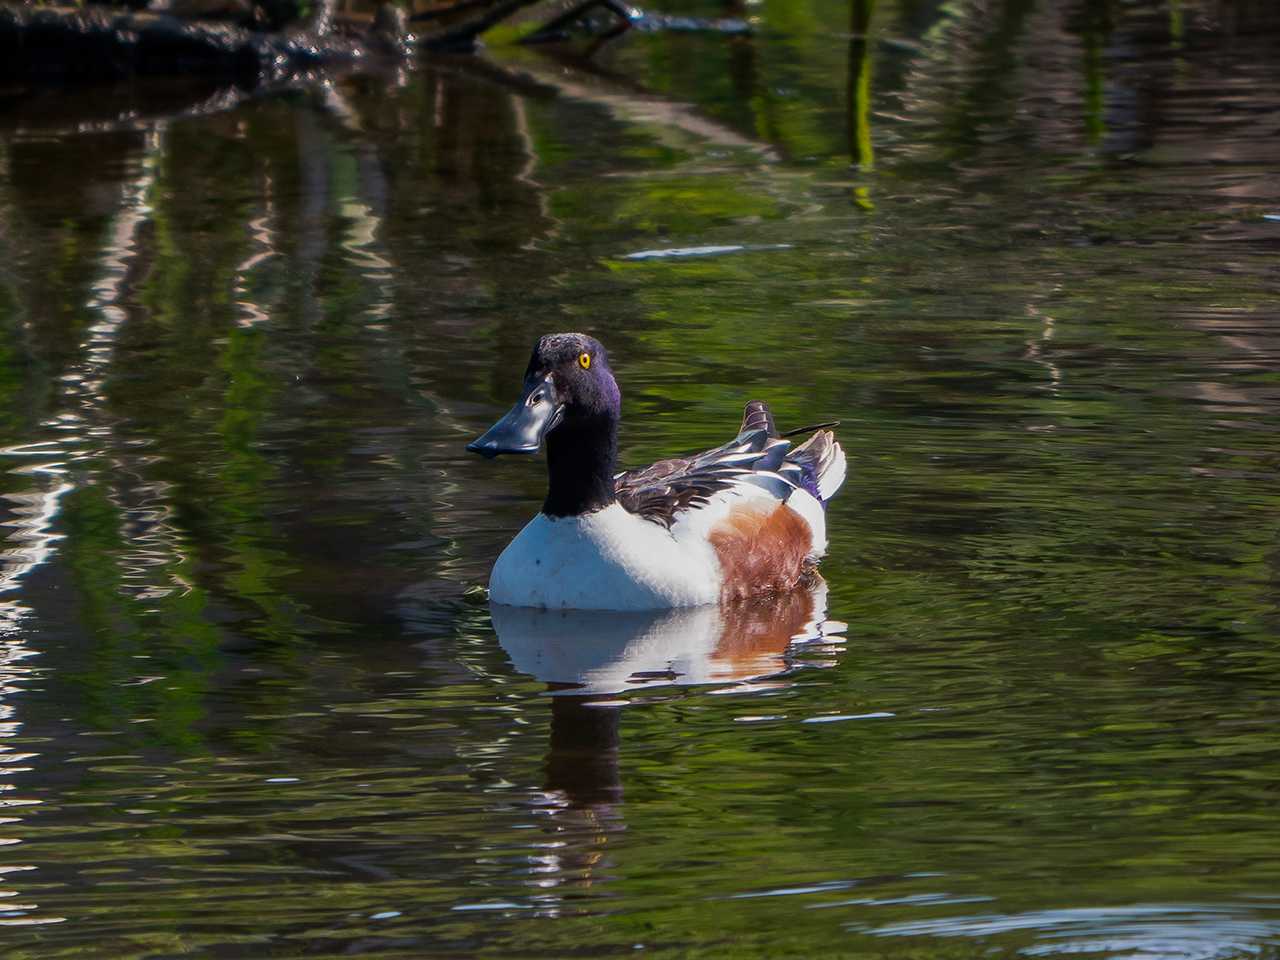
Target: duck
x=744 y=519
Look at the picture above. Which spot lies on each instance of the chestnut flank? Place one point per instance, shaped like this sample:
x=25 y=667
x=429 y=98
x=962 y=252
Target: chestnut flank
x=761 y=550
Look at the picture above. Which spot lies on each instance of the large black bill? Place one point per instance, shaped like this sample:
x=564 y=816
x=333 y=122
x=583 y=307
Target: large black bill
x=524 y=426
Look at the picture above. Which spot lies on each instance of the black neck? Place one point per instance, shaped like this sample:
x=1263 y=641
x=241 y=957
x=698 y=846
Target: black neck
x=581 y=454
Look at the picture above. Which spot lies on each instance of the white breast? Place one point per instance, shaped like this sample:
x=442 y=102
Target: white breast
x=606 y=560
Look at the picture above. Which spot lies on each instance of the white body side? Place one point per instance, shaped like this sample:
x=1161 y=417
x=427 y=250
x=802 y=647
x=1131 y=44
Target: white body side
x=615 y=560
x=606 y=560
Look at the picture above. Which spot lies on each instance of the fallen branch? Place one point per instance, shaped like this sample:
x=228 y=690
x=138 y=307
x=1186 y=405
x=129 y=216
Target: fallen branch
x=65 y=43
x=627 y=17
x=102 y=43
x=558 y=27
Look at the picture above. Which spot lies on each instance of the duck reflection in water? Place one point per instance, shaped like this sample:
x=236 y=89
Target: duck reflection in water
x=589 y=658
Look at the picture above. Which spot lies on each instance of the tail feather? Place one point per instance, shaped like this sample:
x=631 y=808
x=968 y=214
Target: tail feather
x=832 y=477
x=825 y=459
x=757 y=417
x=820 y=459
x=810 y=428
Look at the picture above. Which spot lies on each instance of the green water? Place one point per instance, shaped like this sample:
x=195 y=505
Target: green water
x=1021 y=250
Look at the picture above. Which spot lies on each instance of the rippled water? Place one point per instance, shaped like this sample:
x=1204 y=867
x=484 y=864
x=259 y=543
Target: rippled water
x=1026 y=252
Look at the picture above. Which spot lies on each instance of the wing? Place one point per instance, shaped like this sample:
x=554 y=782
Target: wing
x=756 y=457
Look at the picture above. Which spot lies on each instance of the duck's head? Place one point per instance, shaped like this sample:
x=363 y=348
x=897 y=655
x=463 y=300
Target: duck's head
x=567 y=384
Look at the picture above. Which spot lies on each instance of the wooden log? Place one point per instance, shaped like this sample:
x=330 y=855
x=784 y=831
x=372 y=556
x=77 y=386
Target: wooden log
x=95 y=43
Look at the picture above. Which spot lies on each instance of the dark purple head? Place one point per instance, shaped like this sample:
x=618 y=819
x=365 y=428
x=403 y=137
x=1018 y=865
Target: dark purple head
x=568 y=387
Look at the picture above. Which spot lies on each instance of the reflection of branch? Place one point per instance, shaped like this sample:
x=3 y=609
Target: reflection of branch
x=464 y=34
x=1037 y=349
x=623 y=97
x=86 y=430
x=30 y=538
x=141 y=106
x=617 y=93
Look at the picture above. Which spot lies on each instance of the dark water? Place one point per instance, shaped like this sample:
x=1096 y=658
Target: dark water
x=1026 y=252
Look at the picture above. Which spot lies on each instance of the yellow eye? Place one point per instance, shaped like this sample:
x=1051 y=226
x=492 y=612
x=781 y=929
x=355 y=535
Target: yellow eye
x=584 y=361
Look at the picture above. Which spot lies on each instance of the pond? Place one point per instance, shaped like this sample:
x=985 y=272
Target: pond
x=253 y=702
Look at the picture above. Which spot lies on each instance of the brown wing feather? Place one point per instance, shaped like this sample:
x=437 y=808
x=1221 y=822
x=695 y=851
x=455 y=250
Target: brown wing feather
x=663 y=490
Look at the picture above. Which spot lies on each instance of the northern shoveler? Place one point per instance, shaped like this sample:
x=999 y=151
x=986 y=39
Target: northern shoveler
x=744 y=519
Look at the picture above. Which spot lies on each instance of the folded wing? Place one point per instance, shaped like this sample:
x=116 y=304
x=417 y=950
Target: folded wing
x=756 y=461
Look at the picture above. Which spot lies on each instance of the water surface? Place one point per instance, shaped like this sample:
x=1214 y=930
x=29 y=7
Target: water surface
x=1025 y=252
